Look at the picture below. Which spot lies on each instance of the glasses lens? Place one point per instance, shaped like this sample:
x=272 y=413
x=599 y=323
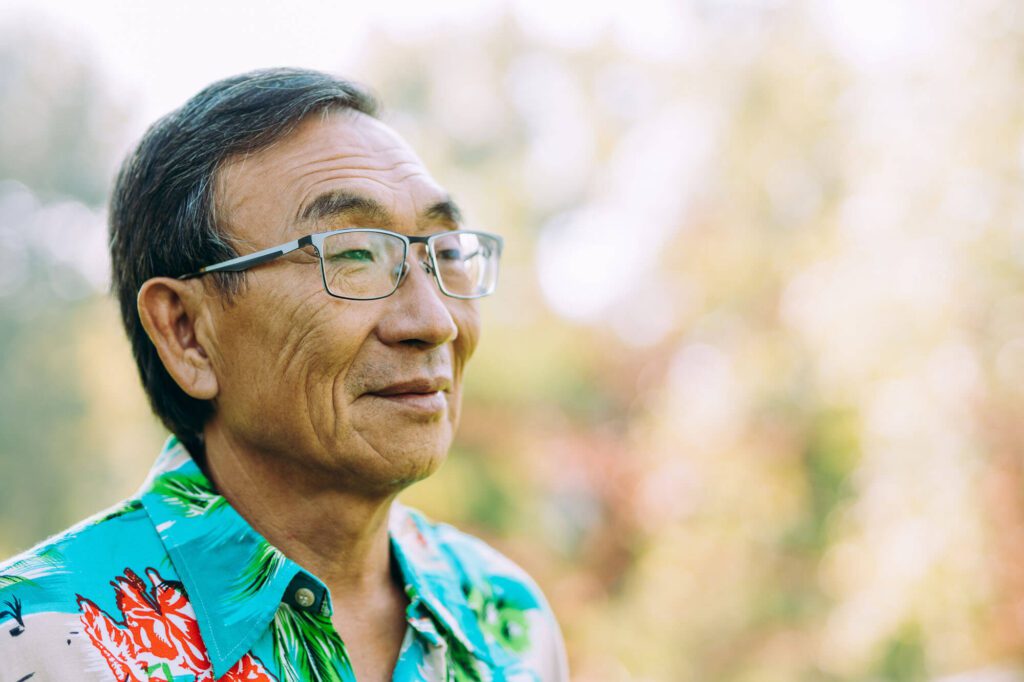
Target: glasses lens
x=467 y=263
x=362 y=264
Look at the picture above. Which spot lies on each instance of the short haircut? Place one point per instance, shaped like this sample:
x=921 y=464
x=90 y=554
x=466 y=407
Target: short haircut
x=163 y=219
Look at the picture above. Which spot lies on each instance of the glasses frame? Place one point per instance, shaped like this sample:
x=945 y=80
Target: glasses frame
x=316 y=240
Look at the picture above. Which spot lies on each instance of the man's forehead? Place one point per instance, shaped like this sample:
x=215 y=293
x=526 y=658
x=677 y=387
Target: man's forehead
x=347 y=128
x=342 y=137
x=332 y=163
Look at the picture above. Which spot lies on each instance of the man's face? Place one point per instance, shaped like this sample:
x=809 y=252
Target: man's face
x=368 y=390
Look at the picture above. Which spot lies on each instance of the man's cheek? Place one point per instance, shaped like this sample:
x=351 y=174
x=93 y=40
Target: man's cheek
x=467 y=319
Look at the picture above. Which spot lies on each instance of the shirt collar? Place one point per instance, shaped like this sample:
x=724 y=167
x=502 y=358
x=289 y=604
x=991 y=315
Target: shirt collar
x=432 y=577
x=236 y=580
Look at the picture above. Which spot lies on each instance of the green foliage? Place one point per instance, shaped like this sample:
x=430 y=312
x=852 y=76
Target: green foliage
x=40 y=409
x=903 y=657
x=830 y=456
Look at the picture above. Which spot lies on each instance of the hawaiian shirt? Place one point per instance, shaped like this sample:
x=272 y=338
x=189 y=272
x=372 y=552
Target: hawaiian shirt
x=174 y=585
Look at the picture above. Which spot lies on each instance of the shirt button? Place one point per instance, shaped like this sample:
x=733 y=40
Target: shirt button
x=304 y=597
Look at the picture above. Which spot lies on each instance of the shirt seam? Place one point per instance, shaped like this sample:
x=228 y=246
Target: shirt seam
x=202 y=604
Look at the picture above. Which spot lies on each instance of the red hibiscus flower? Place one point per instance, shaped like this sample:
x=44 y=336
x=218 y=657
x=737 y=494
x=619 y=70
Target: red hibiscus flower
x=159 y=637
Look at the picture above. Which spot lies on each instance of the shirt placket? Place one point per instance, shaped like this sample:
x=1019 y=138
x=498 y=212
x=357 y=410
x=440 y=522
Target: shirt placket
x=429 y=649
x=309 y=598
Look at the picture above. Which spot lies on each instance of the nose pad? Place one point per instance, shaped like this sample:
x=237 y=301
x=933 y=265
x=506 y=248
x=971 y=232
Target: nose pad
x=402 y=270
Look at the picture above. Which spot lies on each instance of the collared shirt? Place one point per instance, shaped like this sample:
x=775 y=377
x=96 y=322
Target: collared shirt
x=174 y=585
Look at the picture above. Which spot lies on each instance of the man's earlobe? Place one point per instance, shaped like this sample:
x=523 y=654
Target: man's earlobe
x=169 y=310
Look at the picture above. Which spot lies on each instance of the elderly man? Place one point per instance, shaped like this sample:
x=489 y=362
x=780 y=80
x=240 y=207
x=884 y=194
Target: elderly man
x=300 y=297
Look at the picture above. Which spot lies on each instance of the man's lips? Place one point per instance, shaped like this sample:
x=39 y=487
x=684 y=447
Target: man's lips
x=426 y=396
x=414 y=387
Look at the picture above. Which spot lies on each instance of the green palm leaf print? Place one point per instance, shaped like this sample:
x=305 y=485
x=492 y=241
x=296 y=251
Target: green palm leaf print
x=24 y=571
x=261 y=568
x=461 y=664
x=307 y=648
x=190 y=492
x=126 y=507
x=7 y=579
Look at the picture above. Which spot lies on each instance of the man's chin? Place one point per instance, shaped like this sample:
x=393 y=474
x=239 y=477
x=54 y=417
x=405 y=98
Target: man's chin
x=401 y=471
x=399 y=452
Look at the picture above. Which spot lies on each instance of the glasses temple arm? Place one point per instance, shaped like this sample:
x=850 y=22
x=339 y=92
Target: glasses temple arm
x=253 y=259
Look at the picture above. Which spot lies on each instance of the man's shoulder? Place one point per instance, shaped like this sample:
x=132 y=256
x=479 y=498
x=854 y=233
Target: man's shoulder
x=474 y=559
x=507 y=604
x=50 y=571
x=44 y=631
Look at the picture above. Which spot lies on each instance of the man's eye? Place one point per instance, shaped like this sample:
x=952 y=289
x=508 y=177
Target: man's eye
x=450 y=254
x=364 y=255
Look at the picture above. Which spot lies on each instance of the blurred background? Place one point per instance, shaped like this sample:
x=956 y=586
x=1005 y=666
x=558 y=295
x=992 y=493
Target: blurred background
x=749 y=403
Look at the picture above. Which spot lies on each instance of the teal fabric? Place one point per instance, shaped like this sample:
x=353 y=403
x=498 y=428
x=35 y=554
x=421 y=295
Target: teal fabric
x=175 y=585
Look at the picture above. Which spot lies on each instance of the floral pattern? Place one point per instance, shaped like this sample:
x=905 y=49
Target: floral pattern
x=159 y=636
x=198 y=595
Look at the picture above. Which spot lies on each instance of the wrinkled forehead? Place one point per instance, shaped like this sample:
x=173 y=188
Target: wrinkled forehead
x=327 y=153
x=324 y=135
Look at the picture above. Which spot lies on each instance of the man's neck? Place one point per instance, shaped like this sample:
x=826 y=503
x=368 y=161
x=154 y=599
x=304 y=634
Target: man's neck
x=337 y=534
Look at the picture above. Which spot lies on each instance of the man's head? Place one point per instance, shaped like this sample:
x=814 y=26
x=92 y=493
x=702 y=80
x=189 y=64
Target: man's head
x=267 y=356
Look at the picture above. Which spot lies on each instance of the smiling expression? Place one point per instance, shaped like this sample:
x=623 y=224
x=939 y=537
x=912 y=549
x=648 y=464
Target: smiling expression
x=368 y=390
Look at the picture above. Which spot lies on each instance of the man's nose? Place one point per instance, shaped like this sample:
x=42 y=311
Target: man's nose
x=419 y=314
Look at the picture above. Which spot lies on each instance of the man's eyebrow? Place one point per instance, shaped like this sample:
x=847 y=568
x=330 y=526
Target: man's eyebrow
x=341 y=203
x=445 y=210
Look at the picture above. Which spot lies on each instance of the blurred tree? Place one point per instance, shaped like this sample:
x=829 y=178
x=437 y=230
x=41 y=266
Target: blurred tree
x=748 y=401
x=58 y=128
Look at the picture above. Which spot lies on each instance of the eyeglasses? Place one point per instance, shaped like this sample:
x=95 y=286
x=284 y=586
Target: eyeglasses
x=364 y=264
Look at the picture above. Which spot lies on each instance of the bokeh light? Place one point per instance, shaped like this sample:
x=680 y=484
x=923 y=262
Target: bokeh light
x=749 y=402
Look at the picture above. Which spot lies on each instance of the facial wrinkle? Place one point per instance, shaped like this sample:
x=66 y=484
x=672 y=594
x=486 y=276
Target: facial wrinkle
x=352 y=163
x=315 y=419
x=375 y=186
x=300 y=332
x=337 y=409
x=292 y=360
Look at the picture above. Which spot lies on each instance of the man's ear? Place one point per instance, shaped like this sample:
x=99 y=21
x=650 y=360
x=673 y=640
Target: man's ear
x=169 y=310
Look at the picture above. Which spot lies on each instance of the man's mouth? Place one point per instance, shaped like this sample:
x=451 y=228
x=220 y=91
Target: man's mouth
x=421 y=395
